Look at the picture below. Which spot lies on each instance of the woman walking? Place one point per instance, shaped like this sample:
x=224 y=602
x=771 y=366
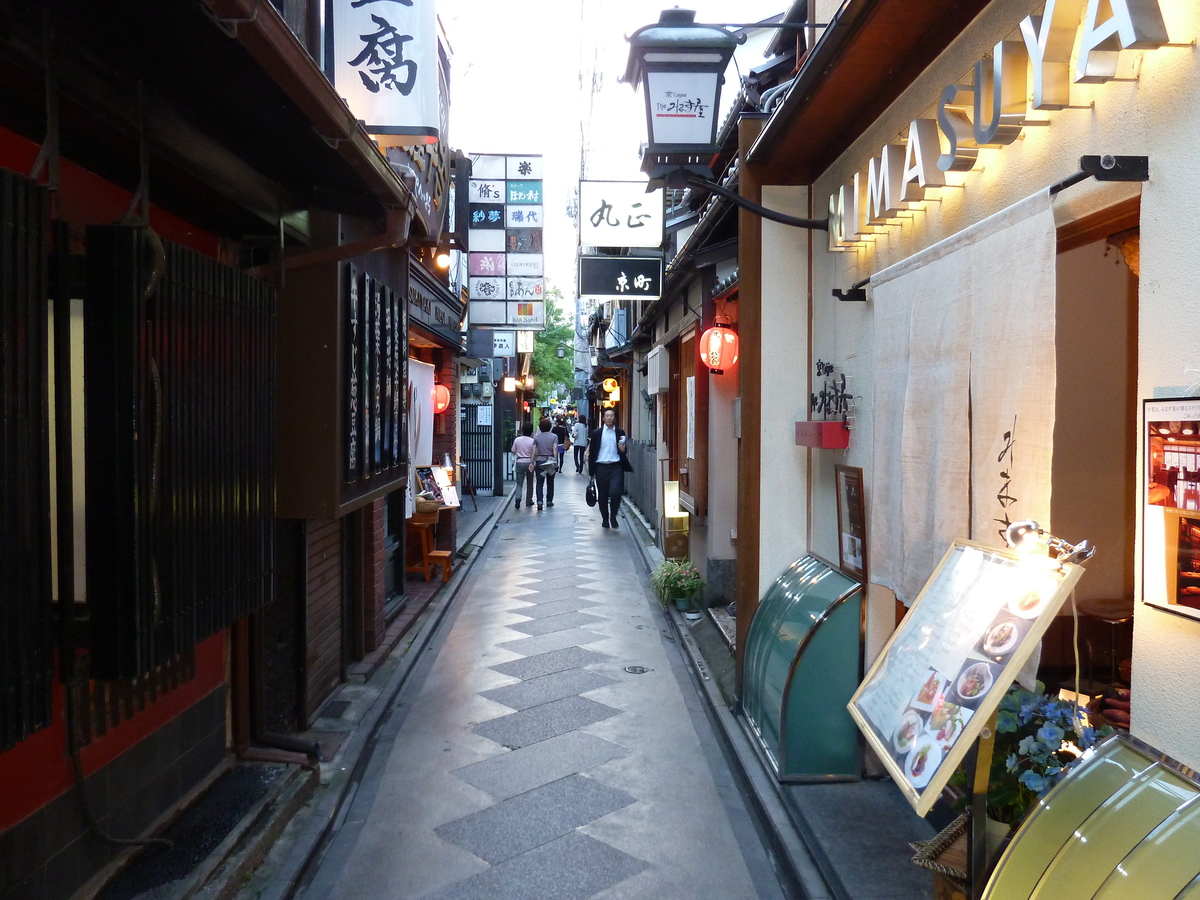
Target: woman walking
x=579 y=439
x=523 y=449
x=545 y=461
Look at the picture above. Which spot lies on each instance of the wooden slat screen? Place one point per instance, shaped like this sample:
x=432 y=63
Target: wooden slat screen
x=180 y=448
x=26 y=636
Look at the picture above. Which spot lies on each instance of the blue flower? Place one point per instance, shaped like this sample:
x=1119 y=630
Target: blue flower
x=1006 y=720
x=1033 y=781
x=1010 y=762
x=1028 y=746
x=1087 y=736
x=1050 y=735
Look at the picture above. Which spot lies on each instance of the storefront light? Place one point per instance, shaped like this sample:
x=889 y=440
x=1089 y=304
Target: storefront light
x=719 y=348
x=509 y=385
x=441 y=398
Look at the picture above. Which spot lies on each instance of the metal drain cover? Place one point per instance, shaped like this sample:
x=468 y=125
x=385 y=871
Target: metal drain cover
x=636 y=670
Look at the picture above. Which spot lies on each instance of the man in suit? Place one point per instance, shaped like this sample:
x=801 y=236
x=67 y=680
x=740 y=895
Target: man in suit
x=607 y=463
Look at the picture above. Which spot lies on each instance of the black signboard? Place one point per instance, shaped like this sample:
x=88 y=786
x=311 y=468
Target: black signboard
x=620 y=276
x=486 y=215
x=524 y=240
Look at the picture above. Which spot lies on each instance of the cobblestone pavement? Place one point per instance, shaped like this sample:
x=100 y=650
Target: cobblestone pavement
x=551 y=744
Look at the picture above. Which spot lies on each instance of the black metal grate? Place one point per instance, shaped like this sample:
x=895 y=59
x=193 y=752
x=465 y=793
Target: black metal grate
x=26 y=636
x=179 y=466
x=478 y=448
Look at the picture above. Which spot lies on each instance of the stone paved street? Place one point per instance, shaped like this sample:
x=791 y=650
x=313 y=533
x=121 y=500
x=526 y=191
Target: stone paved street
x=523 y=759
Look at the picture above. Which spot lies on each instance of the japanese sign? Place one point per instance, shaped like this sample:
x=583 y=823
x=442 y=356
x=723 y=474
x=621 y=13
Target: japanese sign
x=505 y=265
x=946 y=668
x=614 y=277
x=524 y=341
x=385 y=64
x=619 y=214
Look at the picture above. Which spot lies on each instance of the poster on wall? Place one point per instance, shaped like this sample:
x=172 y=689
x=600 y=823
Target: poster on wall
x=852 y=531
x=1171 y=519
x=420 y=420
x=949 y=663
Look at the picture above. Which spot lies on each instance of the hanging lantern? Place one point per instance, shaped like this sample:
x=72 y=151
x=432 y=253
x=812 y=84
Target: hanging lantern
x=719 y=348
x=609 y=384
x=441 y=398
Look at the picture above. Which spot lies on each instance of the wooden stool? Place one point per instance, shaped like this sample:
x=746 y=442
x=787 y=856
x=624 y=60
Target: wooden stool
x=441 y=558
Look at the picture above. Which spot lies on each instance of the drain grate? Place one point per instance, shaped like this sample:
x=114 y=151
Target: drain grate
x=636 y=670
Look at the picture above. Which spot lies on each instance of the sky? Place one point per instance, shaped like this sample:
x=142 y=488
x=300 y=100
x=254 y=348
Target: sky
x=540 y=76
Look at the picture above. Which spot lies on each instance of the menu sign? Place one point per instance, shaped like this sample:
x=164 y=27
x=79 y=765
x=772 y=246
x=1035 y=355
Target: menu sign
x=946 y=668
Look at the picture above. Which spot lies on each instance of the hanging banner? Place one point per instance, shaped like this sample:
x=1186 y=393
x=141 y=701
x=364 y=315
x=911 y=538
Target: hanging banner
x=384 y=62
x=619 y=214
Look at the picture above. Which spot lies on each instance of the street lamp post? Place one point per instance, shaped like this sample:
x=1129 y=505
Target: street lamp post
x=680 y=66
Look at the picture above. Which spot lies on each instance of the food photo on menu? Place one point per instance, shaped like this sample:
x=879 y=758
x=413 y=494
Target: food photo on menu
x=915 y=743
x=1003 y=636
x=973 y=681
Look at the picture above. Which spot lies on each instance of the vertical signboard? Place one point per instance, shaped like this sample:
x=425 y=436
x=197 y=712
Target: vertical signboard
x=505 y=283
x=383 y=59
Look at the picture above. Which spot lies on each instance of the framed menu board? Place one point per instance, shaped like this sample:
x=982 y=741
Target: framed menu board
x=944 y=671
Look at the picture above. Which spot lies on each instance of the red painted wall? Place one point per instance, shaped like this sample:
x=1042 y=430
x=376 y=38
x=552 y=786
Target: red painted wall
x=39 y=769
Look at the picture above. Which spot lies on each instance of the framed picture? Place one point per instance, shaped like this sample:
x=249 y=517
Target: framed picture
x=1171 y=512
x=852 y=531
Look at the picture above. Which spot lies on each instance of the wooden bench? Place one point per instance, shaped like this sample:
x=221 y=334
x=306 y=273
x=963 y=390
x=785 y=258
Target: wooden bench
x=441 y=558
x=1124 y=825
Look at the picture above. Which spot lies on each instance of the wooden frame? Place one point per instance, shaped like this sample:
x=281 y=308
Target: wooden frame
x=944 y=671
x=1171 y=505
x=851 y=520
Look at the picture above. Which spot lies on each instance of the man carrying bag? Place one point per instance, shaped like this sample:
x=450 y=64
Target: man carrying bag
x=608 y=462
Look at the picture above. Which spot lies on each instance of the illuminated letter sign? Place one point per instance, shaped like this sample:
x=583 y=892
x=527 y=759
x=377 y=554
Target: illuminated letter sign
x=1049 y=39
x=885 y=184
x=920 y=160
x=959 y=132
x=1000 y=94
x=1134 y=24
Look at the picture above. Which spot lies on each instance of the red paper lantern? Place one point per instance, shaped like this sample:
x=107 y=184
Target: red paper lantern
x=441 y=398
x=719 y=348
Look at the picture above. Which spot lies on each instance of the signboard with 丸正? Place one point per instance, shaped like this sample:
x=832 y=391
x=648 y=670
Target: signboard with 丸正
x=481 y=190
x=487 y=264
x=385 y=65
x=525 y=264
x=614 y=277
x=485 y=288
x=619 y=214
x=523 y=216
x=945 y=669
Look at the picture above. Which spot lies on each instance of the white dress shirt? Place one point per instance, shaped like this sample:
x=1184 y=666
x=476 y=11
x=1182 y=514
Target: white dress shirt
x=608 y=446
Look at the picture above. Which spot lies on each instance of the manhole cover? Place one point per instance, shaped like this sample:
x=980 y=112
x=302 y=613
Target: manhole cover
x=636 y=670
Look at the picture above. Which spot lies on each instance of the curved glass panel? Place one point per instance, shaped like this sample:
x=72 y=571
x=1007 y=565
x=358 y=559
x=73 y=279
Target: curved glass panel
x=802 y=665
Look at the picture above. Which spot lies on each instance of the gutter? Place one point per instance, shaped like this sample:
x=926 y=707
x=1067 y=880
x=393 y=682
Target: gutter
x=262 y=32
x=819 y=61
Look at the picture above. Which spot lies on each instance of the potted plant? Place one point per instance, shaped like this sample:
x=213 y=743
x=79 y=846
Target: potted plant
x=678 y=580
x=1039 y=738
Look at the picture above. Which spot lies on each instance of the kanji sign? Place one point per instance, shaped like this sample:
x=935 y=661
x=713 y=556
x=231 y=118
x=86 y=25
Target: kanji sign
x=614 y=277
x=485 y=215
x=523 y=217
x=483 y=191
x=619 y=214
x=524 y=240
x=486 y=264
x=524 y=192
x=385 y=64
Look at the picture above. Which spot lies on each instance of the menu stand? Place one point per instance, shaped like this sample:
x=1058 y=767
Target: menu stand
x=979 y=769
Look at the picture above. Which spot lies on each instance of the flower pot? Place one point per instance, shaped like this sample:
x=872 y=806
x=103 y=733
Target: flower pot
x=683 y=604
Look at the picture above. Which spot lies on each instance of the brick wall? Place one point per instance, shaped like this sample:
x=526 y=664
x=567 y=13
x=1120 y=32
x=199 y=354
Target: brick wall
x=373 y=561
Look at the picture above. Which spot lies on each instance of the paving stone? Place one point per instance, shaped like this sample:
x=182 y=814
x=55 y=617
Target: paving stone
x=522 y=770
x=540 y=723
x=537 y=691
x=554 y=640
x=536 y=817
x=550 y=662
x=571 y=868
x=553 y=584
x=556 y=623
x=536 y=595
x=556 y=607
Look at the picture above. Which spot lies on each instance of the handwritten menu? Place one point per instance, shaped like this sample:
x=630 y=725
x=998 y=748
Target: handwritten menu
x=944 y=671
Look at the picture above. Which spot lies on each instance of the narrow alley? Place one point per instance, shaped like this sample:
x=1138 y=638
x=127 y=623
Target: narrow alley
x=550 y=743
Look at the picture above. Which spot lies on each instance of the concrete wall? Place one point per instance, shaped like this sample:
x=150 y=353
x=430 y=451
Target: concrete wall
x=1155 y=114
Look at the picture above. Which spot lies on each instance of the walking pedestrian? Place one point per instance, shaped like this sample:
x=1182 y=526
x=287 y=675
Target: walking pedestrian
x=607 y=463
x=545 y=463
x=523 y=449
x=564 y=439
x=579 y=441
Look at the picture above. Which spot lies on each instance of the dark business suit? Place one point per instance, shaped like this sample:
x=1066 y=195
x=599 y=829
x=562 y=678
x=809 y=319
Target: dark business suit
x=610 y=477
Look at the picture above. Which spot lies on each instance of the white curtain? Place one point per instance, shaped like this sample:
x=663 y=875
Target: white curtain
x=963 y=354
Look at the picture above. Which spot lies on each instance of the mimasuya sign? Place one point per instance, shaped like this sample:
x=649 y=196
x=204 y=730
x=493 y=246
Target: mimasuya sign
x=997 y=104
